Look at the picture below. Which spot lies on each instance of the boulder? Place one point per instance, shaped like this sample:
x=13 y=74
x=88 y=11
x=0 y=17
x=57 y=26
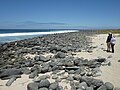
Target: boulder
x=32 y=86
x=10 y=72
x=76 y=77
x=109 y=86
x=53 y=86
x=60 y=88
x=44 y=83
x=71 y=72
x=55 y=67
x=102 y=87
x=45 y=69
x=91 y=81
x=54 y=76
x=82 y=85
x=73 y=87
x=60 y=55
x=33 y=74
x=36 y=58
x=42 y=58
x=26 y=70
x=70 y=78
x=58 y=80
x=10 y=81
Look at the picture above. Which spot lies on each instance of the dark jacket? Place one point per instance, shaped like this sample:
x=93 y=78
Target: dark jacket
x=108 y=38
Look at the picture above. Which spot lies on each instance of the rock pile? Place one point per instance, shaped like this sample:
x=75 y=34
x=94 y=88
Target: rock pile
x=44 y=85
x=13 y=52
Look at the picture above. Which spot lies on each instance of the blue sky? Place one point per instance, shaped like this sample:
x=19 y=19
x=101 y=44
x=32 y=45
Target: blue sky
x=59 y=13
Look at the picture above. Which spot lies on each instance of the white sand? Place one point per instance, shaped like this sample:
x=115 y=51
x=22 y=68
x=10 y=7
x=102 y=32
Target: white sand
x=109 y=73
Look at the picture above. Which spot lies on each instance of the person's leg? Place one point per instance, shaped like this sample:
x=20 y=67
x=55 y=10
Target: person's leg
x=112 y=45
x=108 y=47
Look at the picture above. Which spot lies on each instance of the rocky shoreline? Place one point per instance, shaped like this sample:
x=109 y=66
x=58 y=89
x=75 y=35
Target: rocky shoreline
x=54 y=54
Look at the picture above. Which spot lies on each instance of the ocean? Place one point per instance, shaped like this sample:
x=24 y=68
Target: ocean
x=9 y=35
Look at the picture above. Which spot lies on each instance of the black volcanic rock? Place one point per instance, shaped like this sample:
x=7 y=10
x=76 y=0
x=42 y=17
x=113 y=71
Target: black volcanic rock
x=109 y=86
x=60 y=55
x=102 y=87
x=53 y=86
x=10 y=72
x=91 y=81
x=33 y=74
x=32 y=86
x=44 y=83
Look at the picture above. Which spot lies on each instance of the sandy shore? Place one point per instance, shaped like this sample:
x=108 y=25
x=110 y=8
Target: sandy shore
x=109 y=73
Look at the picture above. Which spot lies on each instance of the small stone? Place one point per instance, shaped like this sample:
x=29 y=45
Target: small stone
x=101 y=59
x=109 y=64
x=118 y=60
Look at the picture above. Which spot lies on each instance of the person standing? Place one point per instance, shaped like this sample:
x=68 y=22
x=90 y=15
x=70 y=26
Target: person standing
x=108 y=41
x=112 y=43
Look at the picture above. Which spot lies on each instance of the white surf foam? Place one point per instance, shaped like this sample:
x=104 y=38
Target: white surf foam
x=34 y=33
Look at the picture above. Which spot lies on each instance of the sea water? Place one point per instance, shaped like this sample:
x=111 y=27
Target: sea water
x=9 y=35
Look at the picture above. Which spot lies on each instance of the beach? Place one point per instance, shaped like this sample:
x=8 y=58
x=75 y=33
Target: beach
x=109 y=73
x=69 y=61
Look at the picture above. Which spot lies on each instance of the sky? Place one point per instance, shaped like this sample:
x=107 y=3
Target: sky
x=59 y=14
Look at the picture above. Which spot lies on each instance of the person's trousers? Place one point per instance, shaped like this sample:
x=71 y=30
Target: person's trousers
x=108 y=46
x=112 y=46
